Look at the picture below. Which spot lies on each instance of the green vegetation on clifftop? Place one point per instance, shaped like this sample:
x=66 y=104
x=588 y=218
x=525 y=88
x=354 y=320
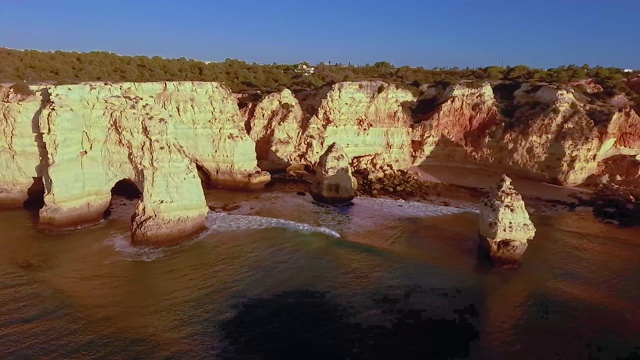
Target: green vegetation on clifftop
x=71 y=67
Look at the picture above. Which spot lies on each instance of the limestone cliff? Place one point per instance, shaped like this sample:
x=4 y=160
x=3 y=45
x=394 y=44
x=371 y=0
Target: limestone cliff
x=552 y=132
x=275 y=124
x=19 y=146
x=544 y=130
x=368 y=119
x=154 y=134
x=620 y=170
x=504 y=225
x=81 y=139
x=334 y=183
x=457 y=125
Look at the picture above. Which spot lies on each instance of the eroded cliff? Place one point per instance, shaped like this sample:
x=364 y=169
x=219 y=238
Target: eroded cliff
x=20 y=146
x=546 y=131
x=81 y=139
x=154 y=134
x=368 y=118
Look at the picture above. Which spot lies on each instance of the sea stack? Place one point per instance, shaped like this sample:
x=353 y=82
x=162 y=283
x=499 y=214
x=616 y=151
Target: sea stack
x=504 y=227
x=334 y=183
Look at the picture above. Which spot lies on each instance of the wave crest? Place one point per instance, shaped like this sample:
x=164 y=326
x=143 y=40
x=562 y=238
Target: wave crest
x=226 y=222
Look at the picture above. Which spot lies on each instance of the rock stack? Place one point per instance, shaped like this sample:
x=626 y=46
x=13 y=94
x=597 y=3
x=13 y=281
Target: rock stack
x=504 y=227
x=334 y=183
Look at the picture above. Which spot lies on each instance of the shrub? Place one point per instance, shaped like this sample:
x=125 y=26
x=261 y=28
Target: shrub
x=574 y=106
x=21 y=88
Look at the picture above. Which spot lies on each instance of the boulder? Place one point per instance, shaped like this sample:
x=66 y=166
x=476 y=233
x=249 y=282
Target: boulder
x=334 y=183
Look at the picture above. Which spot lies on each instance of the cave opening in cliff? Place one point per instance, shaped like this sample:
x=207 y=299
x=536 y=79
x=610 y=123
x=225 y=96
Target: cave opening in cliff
x=127 y=189
x=35 y=195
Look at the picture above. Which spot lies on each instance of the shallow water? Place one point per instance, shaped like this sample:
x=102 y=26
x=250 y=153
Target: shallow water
x=284 y=278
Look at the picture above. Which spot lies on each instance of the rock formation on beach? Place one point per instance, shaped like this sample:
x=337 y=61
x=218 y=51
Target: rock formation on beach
x=366 y=117
x=545 y=131
x=275 y=124
x=155 y=134
x=334 y=183
x=74 y=142
x=504 y=226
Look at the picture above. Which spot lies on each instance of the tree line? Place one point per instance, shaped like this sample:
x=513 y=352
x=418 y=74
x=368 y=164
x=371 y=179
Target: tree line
x=71 y=67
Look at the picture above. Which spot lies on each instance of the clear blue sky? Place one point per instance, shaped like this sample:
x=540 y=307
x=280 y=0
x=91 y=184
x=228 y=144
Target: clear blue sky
x=404 y=32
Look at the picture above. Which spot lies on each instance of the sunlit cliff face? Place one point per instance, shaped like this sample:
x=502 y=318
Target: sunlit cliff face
x=79 y=140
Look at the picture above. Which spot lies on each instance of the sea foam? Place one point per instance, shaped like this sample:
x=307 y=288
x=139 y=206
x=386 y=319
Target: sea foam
x=226 y=222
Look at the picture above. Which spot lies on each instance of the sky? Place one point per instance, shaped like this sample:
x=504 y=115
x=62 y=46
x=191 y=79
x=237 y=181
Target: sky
x=474 y=33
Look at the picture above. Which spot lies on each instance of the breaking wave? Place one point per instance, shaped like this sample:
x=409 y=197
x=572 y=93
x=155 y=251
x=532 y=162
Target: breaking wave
x=226 y=222
x=122 y=244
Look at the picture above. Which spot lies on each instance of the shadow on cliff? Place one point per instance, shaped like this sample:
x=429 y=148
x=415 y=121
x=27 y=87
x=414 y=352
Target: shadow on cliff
x=205 y=178
x=35 y=195
x=552 y=164
x=304 y=324
x=42 y=181
x=445 y=152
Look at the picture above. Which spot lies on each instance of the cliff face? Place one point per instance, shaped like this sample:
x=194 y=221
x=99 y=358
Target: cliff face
x=81 y=139
x=154 y=134
x=543 y=131
x=19 y=146
x=554 y=133
x=368 y=119
x=458 y=125
x=551 y=136
x=275 y=124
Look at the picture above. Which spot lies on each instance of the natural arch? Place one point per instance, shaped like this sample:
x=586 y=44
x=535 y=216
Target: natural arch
x=125 y=188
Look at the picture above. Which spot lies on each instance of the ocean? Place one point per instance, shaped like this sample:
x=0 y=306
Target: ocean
x=284 y=278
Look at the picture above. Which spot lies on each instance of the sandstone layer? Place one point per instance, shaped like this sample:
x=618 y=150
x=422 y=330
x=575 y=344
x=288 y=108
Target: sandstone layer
x=504 y=226
x=334 y=183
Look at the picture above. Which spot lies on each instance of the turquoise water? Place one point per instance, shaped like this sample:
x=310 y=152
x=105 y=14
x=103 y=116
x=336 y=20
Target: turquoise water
x=283 y=278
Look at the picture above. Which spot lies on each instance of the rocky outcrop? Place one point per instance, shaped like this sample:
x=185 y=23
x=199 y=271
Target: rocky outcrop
x=504 y=226
x=544 y=131
x=154 y=134
x=334 y=183
x=589 y=86
x=79 y=140
x=555 y=133
x=368 y=119
x=458 y=124
x=275 y=123
x=551 y=135
x=620 y=170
